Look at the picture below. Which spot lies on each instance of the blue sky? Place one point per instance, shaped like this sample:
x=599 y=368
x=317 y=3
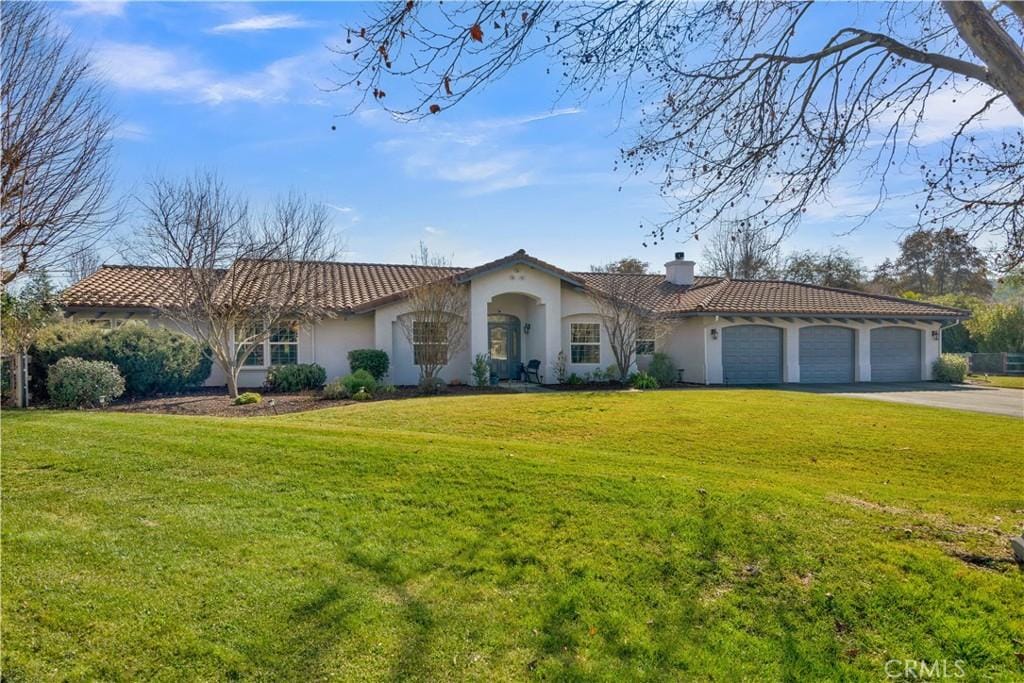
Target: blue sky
x=238 y=88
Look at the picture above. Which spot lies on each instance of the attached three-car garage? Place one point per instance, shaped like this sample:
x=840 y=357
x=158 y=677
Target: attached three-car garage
x=754 y=354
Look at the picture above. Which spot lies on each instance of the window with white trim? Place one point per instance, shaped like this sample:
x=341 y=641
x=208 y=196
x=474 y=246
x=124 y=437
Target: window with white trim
x=585 y=342
x=284 y=344
x=645 y=341
x=429 y=343
x=281 y=346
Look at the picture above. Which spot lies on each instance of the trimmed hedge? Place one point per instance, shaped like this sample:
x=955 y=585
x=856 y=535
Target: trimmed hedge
x=642 y=380
x=374 y=361
x=247 y=398
x=152 y=360
x=950 y=367
x=77 y=383
x=298 y=377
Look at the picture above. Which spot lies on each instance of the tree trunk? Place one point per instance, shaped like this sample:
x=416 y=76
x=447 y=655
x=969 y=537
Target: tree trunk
x=990 y=43
x=232 y=374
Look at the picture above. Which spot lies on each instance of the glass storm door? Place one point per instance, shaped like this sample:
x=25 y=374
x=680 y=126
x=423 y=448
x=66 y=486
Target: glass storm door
x=503 y=335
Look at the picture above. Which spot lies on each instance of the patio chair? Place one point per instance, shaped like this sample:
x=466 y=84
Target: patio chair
x=533 y=371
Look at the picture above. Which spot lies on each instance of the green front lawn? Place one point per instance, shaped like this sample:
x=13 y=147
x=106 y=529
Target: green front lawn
x=684 y=534
x=1004 y=381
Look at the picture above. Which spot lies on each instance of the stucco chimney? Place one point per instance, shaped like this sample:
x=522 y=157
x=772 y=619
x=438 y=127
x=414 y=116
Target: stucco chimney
x=679 y=271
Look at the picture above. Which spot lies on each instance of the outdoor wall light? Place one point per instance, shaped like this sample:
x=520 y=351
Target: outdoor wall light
x=526 y=328
x=714 y=333
x=935 y=334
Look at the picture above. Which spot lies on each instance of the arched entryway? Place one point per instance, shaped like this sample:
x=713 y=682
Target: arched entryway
x=504 y=336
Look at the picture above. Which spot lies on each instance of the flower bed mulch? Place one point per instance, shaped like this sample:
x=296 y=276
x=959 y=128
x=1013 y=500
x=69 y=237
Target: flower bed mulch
x=210 y=401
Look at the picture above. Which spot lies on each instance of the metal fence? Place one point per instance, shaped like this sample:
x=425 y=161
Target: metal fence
x=996 y=363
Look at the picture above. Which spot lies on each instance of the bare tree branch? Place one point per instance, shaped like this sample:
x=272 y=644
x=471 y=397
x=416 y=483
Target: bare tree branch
x=241 y=277
x=740 y=117
x=56 y=145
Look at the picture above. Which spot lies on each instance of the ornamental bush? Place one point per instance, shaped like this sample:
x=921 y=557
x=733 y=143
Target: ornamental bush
x=336 y=391
x=482 y=370
x=152 y=360
x=642 y=380
x=296 y=377
x=374 y=361
x=76 y=383
x=360 y=379
x=950 y=367
x=662 y=369
x=247 y=398
x=431 y=386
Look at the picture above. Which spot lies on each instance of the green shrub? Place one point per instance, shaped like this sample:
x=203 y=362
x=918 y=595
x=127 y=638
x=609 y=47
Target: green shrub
x=599 y=375
x=374 y=361
x=336 y=390
x=950 y=368
x=386 y=389
x=642 y=380
x=430 y=386
x=297 y=377
x=613 y=373
x=76 y=383
x=152 y=360
x=662 y=369
x=574 y=379
x=362 y=395
x=482 y=370
x=360 y=379
x=247 y=398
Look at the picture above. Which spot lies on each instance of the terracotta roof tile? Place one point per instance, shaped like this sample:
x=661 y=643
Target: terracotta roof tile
x=721 y=295
x=358 y=287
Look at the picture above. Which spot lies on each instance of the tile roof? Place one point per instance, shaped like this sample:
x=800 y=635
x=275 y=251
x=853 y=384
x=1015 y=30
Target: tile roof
x=123 y=287
x=359 y=287
x=521 y=257
x=725 y=296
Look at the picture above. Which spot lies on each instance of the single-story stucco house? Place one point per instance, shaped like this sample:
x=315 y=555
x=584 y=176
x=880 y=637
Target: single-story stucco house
x=718 y=330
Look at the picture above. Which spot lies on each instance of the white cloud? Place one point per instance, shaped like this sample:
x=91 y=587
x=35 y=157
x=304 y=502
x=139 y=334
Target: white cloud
x=477 y=154
x=106 y=8
x=130 y=131
x=262 y=22
x=134 y=66
x=431 y=230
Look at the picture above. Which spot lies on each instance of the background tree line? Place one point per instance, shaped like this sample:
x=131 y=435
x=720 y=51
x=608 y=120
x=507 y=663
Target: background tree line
x=939 y=266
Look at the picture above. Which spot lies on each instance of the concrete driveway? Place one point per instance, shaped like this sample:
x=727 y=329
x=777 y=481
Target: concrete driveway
x=956 y=396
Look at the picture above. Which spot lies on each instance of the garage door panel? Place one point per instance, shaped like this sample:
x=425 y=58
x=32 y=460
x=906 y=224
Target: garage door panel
x=895 y=354
x=752 y=354
x=826 y=354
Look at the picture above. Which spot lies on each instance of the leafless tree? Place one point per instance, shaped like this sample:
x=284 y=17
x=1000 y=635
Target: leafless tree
x=746 y=106
x=242 y=276
x=623 y=300
x=83 y=263
x=737 y=250
x=436 y=324
x=56 y=145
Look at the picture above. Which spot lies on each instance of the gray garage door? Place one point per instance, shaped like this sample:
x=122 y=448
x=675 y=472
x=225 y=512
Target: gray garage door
x=752 y=354
x=895 y=354
x=826 y=354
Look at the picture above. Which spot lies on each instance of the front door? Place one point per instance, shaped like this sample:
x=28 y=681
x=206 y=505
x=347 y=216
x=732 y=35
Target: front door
x=503 y=335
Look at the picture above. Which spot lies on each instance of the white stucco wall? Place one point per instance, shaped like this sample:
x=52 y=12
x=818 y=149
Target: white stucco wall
x=683 y=341
x=333 y=338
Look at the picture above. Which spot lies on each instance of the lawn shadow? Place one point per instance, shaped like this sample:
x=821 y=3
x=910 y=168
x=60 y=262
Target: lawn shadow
x=410 y=661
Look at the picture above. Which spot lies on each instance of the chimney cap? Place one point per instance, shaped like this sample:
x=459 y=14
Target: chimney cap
x=680 y=256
